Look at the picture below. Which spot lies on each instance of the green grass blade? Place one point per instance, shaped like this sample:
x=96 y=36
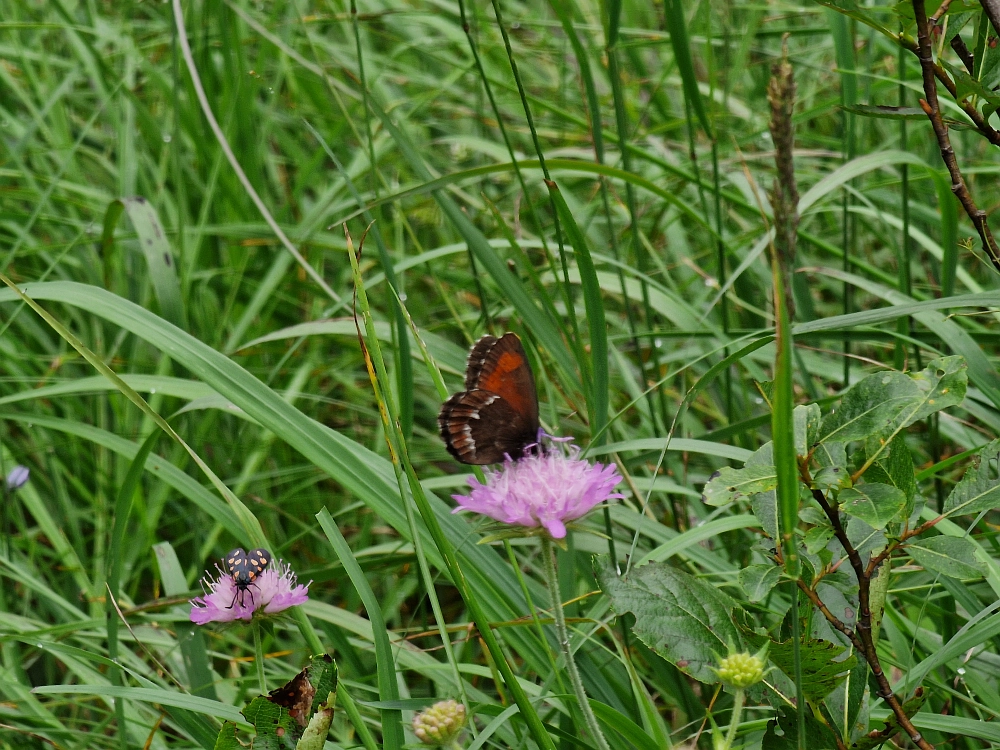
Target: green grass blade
x=388 y=690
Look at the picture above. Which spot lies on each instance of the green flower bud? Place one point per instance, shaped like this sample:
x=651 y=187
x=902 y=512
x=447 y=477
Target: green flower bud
x=439 y=724
x=741 y=670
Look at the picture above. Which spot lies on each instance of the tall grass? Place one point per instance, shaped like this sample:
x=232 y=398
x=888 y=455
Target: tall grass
x=591 y=176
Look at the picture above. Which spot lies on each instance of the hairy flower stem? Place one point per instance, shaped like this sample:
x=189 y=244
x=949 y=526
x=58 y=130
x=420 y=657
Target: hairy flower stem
x=259 y=658
x=734 y=719
x=562 y=633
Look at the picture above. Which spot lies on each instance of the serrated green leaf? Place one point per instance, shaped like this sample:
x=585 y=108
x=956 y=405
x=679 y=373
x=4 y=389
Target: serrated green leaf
x=886 y=402
x=758 y=580
x=682 y=618
x=874 y=503
x=979 y=489
x=821 y=673
x=951 y=556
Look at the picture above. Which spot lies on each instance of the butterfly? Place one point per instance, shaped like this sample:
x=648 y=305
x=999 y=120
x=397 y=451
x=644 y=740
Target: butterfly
x=244 y=569
x=496 y=416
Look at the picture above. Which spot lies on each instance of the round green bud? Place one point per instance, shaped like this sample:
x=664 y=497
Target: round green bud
x=741 y=670
x=439 y=724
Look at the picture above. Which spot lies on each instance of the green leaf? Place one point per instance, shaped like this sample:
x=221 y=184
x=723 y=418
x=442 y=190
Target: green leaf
x=758 y=580
x=155 y=248
x=847 y=704
x=314 y=736
x=385 y=665
x=817 y=538
x=892 y=465
x=728 y=485
x=594 y=307
x=677 y=26
x=274 y=728
x=874 y=503
x=966 y=86
x=889 y=113
x=950 y=556
x=685 y=620
x=817 y=735
x=821 y=673
x=979 y=489
x=765 y=508
x=807 y=419
x=886 y=402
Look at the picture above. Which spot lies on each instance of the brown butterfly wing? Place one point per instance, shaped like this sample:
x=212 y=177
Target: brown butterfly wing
x=296 y=697
x=480 y=427
x=500 y=365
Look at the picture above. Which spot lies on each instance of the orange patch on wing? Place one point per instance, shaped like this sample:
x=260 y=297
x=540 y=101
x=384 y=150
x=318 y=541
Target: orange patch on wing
x=503 y=382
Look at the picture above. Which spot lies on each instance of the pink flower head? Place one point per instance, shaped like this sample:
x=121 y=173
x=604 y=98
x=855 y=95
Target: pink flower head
x=275 y=590
x=546 y=489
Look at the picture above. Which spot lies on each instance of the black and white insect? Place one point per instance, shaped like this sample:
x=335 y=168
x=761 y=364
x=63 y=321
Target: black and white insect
x=245 y=568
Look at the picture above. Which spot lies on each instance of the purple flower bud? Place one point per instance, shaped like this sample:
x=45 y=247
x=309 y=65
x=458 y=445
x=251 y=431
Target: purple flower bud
x=17 y=478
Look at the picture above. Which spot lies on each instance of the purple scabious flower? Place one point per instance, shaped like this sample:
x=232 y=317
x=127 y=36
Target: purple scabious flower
x=17 y=478
x=275 y=590
x=544 y=489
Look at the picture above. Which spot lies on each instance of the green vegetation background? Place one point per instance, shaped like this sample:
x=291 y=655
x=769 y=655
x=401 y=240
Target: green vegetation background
x=222 y=302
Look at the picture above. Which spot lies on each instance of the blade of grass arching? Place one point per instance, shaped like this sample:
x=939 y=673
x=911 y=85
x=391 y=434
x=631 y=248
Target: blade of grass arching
x=249 y=522
x=903 y=324
x=638 y=251
x=841 y=29
x=170 y=474
x=545 y=330
x=155 y=248
x=982 y=373
x=360 y=471
x=385 y=665
x=234 y=162
x=404 y=363
x=525 y=193
x=681 y=45
x=574 y=333
x=949 y=238
x=786 y=468
x=594 y=305
x=396 y=439
x=189 y=636
x=564 y=11
x=401 y=461
x=123 y=508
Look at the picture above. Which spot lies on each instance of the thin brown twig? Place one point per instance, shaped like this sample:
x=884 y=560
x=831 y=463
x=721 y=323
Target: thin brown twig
x=940 y=11
x=931 y=107
x=862 y=634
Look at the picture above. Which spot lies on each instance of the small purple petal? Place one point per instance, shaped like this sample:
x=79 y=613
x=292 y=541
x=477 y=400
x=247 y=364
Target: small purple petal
x=547 y=489
x=275 y=590
x=17 y=478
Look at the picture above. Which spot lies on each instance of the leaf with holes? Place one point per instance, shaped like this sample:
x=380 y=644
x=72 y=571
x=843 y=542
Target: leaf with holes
x=684 y=619
x=979 y=489
x=874 y=503
x=886 y=402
